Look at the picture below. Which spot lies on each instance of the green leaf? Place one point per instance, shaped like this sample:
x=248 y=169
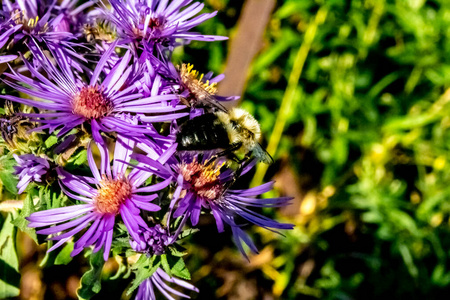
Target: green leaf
x=48 y=198
x=121 y=271
x=287 y=40
x=408 y=260
x=63 y=258
x=187 y=232
x=9 y=181
x=91 y=281
x=49 y=258
x=177 y=250
x=409 y=122
x=145 y=267
x=175 y=266
x=178 y=267
x=7 y=176
x=79 y=158
x=292 y=7
x=165 y=264
x=21 y=222
x=52 y=140
x=120 y=245
x=9 y=264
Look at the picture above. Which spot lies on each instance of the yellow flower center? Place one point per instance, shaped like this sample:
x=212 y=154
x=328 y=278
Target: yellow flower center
x=111 y=195
x=193 y=80
x=203 y=178
x=27 y=24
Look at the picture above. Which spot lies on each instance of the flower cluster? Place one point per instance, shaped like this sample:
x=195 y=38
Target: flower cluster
x=136 y=147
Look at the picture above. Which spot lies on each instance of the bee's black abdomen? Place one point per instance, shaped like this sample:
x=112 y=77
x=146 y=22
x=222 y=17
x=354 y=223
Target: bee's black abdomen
x=204 y=132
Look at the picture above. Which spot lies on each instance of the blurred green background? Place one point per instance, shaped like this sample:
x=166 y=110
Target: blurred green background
x=353 y=99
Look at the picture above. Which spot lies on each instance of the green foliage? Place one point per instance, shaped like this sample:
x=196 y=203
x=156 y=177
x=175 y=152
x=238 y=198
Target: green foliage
x=52 y=140
x=144 y=268
x=91 y=280
x=368 y=121
x=63 y=257
x=174 y=266
x=20 y=221
x=365 y=130
x=78 y=159
x=9 y=264
x=8 y=180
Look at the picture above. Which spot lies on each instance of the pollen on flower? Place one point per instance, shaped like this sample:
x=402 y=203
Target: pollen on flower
x=149 y=26
x=90 y=103
x=155 y=23
x=111 y=195
x=193 y=80
x=203 y=179
x=27 y=24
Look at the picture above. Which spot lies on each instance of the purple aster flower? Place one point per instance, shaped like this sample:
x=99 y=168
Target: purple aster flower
x=111 y=192
x=30 y=168
x=69 y=101
x=159 y=279
x=33 y=16
x=158 y=22
x=206 y=183
x=156 y=240
x=44 y=22
x=70 y=17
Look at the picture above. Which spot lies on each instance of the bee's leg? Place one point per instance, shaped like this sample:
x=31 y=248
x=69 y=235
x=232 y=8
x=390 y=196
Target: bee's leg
x=229 y=151
x=238 y=173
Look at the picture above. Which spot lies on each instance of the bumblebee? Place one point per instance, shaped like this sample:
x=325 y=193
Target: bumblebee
x=234 y=131
x=98 y=32
x=14 y=127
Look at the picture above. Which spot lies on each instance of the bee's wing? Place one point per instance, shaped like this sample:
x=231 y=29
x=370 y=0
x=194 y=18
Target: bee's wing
x=210 y=100
x=260 y=153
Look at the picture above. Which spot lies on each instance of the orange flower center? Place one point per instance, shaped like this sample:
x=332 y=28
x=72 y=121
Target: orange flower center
x=111 y=195
x=203 y=178
x=90 y=103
